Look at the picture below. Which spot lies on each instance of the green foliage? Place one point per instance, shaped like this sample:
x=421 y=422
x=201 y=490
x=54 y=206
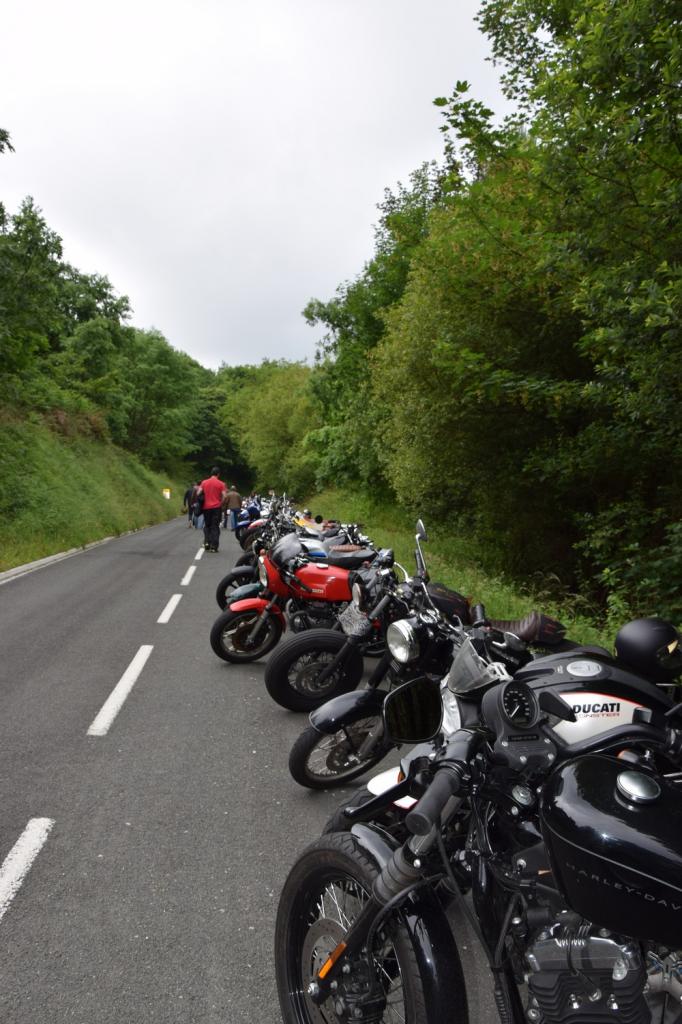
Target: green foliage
x=58 y=491
x=276 y=418
x=66 y=350
x=523 y=363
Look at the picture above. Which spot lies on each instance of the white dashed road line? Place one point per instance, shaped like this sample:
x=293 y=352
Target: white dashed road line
x=17 y=863
x=199 y=554
x=170 y=608
x=188 y=575
x=114 y=702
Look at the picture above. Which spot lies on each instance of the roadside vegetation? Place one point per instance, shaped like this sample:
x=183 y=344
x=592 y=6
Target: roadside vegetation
x=63 y=490
x=449 y=559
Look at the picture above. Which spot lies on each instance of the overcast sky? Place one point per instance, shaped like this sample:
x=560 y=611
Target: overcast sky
x=221 y=162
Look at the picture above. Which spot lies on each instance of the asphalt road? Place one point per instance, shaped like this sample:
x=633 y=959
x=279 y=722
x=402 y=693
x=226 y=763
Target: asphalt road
x=167 y=840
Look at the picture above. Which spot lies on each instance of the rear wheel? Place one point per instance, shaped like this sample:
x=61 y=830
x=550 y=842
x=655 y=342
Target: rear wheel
x=321 y=761
x=324 y=893
x=230 y=635
x=248 y=558
x=249 y=537
x=236 y=578
x=292 y=673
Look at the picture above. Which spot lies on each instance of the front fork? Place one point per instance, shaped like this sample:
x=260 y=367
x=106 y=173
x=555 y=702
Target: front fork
x=399 y=873
x=261 y=621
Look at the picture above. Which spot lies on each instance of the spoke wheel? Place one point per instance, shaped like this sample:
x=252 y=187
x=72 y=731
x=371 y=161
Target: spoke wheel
x=231 y=631
x=292 y=673
x=322 y=897
x=320 y=761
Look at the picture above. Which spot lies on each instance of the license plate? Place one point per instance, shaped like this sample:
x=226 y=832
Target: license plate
x=353 y=622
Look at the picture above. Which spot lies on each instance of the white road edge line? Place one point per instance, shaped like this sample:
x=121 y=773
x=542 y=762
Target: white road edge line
x=199 y=554
x=170 y=608
x=17 y=863
x=188 y=575
x=114 y=702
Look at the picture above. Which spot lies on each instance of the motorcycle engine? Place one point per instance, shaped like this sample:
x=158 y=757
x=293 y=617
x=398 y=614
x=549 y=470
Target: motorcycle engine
x=315 y=615
x=579 y=973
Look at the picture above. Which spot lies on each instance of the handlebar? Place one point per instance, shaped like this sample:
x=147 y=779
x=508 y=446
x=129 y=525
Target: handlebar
x=424 y=816
x=451 y=770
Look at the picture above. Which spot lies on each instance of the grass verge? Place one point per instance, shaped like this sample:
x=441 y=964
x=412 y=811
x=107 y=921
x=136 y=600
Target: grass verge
x=61 y=492
x=450 y=562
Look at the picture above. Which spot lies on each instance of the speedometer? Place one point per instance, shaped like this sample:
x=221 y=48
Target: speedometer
x=518 y=704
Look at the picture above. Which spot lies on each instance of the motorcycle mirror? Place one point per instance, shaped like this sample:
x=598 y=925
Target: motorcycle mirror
x=413 y=712
x=319 y=519
x=555 y=705
x=421 y=530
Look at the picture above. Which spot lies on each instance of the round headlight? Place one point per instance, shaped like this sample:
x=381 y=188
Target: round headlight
x=262 y=571
x=358 y=595
x=402 y=641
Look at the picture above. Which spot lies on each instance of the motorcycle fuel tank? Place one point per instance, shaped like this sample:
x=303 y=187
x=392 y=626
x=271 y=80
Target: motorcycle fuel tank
x=327 y=582
x=601 y=692
x=614 y=836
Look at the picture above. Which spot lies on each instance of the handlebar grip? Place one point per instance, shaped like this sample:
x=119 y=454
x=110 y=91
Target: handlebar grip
x=478 y=615
x=424 y=816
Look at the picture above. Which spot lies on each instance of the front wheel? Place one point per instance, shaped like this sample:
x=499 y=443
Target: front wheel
x=230 y=635
x=292 y=673
x=324 y=893
x=236 y=578
x=322 y=761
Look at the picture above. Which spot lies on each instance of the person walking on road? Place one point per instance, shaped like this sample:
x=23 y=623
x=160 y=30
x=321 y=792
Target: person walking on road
x=187 y=503
x=214 y=492
x=233 y=503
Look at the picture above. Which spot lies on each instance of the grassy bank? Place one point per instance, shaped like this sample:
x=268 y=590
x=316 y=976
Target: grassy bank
x=450 y=562
x=58 y=492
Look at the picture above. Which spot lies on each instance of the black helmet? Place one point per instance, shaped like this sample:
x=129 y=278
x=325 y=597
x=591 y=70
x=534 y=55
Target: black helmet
x=652 y=647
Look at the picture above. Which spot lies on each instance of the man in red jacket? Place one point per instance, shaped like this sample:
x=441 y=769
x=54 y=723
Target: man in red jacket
x=213 y=491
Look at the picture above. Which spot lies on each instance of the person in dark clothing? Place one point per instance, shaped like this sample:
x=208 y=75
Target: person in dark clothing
x=187 y=503
x=214 y=491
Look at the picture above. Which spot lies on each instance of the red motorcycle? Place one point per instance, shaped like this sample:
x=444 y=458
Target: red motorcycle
x=308 y=594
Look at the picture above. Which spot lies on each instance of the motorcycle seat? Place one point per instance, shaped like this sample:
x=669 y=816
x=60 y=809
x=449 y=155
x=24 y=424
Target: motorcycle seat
x=351 y=559
x=531 y=627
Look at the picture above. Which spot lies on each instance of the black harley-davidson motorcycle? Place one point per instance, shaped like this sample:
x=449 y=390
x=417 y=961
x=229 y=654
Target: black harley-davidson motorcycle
x=556 y=806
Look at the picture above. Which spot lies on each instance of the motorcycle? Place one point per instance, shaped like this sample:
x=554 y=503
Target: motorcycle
x=309 y=592
x=423 y=625
x=556 y=808
x=345 y=539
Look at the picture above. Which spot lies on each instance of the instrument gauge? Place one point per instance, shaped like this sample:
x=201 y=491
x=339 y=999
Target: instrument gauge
x=518 y=705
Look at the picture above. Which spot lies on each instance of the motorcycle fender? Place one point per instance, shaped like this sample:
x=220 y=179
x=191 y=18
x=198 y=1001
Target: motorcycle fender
x=258 y=604
x=346 y=709
x=244 y=592
x=430 y=935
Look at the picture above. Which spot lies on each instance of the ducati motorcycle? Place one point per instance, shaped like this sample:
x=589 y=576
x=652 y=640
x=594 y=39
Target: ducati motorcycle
x=555 y=809
x=294 y=588
x=423 y=624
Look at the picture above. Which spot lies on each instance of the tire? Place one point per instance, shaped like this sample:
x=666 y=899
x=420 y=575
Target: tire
x=323 y=894
x=321 y=760
x=229 y=632
x=249 y=537
x=291 y=672
x=234 y=579
x=247 y=558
